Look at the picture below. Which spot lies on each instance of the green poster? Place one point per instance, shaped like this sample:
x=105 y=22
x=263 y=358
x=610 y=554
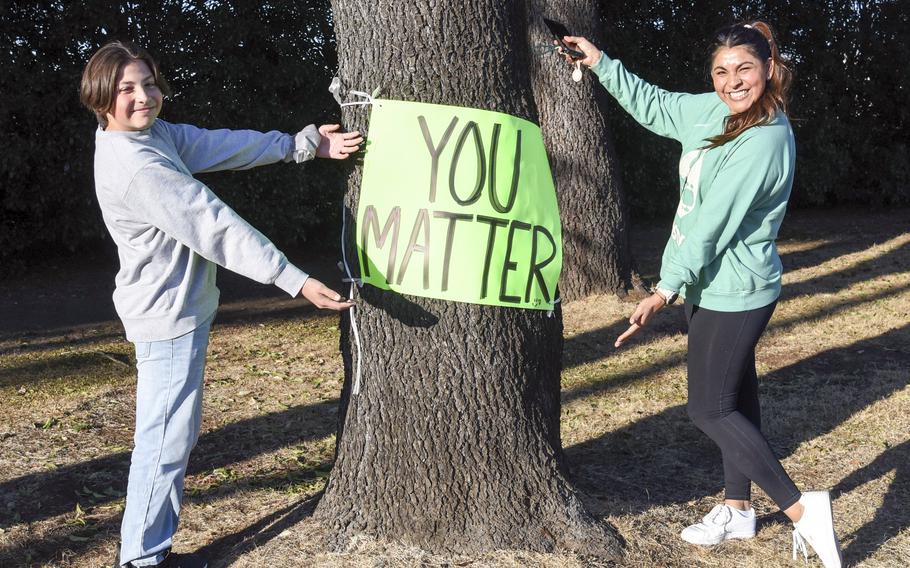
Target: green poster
x=458 y=203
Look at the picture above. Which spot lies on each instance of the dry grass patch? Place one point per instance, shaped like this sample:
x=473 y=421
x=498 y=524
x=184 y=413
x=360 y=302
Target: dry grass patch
x=834 y=384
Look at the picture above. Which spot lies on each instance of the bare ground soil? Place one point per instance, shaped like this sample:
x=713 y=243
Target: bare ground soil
x=834 y=366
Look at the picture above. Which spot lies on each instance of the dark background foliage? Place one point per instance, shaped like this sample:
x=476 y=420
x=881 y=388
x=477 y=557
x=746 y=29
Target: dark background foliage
x=266 y=65
x=849 y=104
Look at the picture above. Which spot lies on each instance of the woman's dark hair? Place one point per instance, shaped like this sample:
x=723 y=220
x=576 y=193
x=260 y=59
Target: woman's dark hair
x=99 y=79
x=758 y=38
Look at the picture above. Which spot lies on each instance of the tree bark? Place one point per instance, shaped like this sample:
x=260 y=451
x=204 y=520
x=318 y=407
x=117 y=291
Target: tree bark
x=453 y=442
x=596 y=255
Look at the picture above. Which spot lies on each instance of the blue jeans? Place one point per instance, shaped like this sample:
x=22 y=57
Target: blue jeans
x=168 y=417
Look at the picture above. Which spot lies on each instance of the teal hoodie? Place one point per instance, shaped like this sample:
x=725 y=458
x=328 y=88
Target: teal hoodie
x=721 y=254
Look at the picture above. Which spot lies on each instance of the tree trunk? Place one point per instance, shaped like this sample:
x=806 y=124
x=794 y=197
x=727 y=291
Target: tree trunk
x=453 y=442
x=596 y=255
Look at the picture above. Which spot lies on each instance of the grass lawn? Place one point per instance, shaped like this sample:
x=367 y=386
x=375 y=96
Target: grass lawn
x=834 y=368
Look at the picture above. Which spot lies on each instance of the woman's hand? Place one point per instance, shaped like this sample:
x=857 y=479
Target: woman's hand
x=324 y=297
x=642 y=315
x=337 y=145
x=592 y=53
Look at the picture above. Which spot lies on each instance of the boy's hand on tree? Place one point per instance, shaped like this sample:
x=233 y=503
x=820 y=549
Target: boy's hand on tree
x=591 y=51
x=324 y=297
x=337 y=145
x=641 y=316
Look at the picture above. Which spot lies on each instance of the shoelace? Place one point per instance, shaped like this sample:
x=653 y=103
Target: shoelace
x=726 y=517
x=799 y=544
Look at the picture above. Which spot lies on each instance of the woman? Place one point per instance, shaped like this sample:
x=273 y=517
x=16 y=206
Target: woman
x=736 y=173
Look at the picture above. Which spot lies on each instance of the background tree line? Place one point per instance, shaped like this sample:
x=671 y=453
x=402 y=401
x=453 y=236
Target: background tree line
x=267 y=66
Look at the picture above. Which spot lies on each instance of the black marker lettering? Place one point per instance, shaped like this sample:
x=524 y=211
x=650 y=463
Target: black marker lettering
x=536 y=267
x=516 y=170
x=450 y=233
x=494 y=223
x=423 y=220
x=481 y=164
x=371 y=219
x=435 y=151
x=508 y=265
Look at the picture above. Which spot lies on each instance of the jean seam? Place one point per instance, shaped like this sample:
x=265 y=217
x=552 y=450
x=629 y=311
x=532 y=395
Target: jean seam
x=167 y=401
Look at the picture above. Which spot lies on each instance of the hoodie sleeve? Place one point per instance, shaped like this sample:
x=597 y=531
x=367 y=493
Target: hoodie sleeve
x=214 y=150
x=662 y=112
x=187 y=210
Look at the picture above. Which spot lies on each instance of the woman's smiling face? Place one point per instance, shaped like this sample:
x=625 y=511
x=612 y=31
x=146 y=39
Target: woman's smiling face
x=739 y=77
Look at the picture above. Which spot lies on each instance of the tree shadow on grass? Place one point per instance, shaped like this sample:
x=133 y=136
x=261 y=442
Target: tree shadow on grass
x=851 y=233
x=41 y=495
x=841 y=246
x=72 y=337
x=68 y=539
x=893 y=262
x=663 y=459
x=270 y=309
x=842 y=232
x=90 y=366
x=225 y=550
x=893 y=516
x=597 y=344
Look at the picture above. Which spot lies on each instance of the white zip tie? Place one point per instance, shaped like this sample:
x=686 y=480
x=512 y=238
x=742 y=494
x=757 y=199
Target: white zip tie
x=553 y=304
x=367 y=96
x=335 y=89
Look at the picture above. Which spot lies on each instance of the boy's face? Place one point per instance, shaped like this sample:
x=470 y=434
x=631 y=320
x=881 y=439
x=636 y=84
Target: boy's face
x=138 y=99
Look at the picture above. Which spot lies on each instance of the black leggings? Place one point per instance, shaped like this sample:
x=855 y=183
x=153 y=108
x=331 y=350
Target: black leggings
x=723 y=400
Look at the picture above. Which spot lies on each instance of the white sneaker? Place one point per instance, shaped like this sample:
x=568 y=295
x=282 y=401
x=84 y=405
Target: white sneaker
x=722 y=523
x=817 y=528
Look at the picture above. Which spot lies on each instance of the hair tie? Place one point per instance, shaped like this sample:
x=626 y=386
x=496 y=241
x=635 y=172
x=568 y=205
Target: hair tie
x=747 y=26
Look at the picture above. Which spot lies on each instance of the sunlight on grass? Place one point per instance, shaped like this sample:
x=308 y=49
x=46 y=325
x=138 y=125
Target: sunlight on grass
x=834 y=378
x=845 y=262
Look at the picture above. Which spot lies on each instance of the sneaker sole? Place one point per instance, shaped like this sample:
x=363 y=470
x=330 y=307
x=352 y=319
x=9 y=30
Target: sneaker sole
x=727 y=536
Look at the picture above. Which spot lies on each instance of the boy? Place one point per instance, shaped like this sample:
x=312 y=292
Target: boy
x=171 y=231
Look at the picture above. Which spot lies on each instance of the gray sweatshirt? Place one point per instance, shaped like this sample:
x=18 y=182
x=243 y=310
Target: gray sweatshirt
x=171 y=230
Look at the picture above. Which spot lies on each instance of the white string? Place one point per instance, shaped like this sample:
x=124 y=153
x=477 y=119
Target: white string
x=344 y=256
x=335 y=89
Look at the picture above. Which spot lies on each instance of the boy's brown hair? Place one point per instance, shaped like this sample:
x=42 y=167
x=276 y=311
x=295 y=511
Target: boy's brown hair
x=99 y=79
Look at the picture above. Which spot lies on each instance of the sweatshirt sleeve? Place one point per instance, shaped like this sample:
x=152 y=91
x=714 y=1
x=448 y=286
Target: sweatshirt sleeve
x=214 y=150
x=187 y=210
x=662 y=112
x=743 y=179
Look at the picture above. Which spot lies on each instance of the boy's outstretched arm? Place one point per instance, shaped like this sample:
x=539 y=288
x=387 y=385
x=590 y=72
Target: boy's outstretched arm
x=337 y=145
x=204 y=150
x=187 y=211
